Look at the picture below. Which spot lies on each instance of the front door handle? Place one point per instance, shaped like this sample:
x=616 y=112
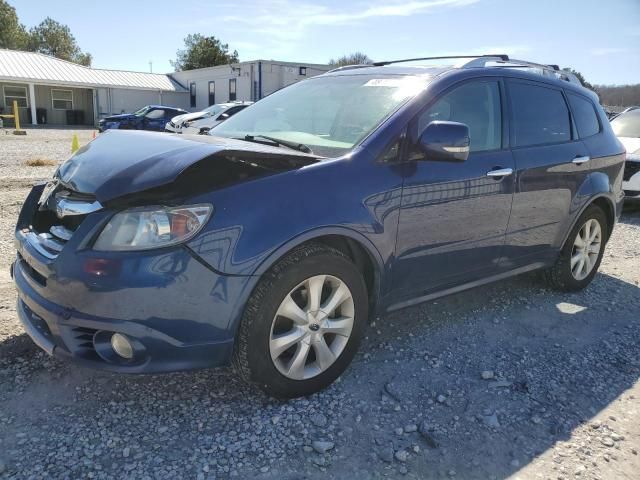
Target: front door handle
x=500 y=172
x=581 y=160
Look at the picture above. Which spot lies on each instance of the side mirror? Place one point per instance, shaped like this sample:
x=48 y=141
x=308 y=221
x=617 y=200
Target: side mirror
x=204 y=131
x=445 y=141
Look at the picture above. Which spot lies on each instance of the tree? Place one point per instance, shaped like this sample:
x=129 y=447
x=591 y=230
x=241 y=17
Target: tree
x=580 y=77
x=201 y=52
x=55 y=39
x=13 y=35
x=356 y=58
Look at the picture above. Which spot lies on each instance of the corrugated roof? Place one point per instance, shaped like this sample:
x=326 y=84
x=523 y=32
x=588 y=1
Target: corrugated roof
x=36 y=67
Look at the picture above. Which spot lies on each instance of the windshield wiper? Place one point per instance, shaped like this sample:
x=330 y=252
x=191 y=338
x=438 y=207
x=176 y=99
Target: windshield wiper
x=300 y=147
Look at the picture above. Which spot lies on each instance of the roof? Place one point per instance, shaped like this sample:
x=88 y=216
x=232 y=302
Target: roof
x=39 y=68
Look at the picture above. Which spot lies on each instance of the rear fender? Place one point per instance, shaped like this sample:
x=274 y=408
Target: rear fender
x=596 y=186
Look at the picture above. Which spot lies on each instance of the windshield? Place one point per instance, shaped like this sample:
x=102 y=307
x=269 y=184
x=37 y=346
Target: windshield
x=330 y=115
x=142 y=111
x=627 y=124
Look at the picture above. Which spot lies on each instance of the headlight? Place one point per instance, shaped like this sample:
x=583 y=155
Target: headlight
x=186 y=124
x=152 y=227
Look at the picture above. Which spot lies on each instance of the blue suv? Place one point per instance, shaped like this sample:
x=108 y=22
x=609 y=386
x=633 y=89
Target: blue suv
x=271 y=242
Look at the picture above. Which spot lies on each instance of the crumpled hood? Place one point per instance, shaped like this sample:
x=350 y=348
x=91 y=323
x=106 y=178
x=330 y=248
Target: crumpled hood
x=631 y=144
x=119 y=163
x=193 y=116
x=117 y=118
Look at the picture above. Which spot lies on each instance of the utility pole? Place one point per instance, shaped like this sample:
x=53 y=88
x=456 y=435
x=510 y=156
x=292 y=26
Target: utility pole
x=151 y=66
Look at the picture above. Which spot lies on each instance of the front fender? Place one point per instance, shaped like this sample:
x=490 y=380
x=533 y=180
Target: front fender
x=310 y=235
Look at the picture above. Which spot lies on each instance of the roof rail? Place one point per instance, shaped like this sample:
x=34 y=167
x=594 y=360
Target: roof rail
x=499 y=60
x=389 y=62
x=551 y=70
x=348 y=67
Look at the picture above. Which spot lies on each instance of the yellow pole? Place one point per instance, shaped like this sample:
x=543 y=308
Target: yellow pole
x=16 y=115
x=16 y=118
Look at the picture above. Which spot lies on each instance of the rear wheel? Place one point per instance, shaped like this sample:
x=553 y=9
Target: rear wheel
x=582 y=252
x=303 y=323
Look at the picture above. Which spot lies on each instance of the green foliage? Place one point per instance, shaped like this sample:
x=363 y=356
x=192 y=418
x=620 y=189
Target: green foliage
x=13 y=35
x=356 y=58
x=50 y=37
x=55 y=39
x=580 y=77
x=201 y=52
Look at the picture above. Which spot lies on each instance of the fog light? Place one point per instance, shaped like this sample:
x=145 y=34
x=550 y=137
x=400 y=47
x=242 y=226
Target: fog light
x=122 y=346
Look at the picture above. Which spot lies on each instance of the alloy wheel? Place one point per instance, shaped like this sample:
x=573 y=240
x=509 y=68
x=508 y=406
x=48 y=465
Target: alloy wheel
x=311 y=327
x=586 y=249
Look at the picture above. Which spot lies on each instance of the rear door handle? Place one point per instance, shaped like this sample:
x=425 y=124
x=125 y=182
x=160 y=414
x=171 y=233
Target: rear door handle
x=501 y=172
x=581 y=160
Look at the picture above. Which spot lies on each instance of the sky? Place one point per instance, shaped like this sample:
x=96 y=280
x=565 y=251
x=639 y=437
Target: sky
x=600 y=39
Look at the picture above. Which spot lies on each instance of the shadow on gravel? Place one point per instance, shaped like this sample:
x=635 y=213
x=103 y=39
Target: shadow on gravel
x=556 y=360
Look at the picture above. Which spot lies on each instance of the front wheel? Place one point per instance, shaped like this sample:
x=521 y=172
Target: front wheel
x=582 y=253
x=303 y=323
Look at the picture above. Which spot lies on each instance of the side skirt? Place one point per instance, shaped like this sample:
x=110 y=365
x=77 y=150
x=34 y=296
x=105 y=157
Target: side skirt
x=465 y=286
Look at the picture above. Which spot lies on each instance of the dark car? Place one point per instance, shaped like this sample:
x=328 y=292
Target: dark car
x=335 y=200
x=151 y=117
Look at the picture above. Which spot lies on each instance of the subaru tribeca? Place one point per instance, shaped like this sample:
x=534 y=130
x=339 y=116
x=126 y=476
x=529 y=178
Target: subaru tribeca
x=269 y=243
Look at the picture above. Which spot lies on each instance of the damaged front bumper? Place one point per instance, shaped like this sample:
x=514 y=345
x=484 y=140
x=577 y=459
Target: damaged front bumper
x=175 y=310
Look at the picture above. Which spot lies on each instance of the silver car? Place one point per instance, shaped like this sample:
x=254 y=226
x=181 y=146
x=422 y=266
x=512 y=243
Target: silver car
x=193 y=123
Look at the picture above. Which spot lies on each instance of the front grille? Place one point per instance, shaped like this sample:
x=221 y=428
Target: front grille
x=630 y=169
x=49 y=233
x=49 y=243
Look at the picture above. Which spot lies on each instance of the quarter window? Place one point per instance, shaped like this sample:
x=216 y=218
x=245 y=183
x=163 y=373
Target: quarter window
x=212 y=93
x=540 y=115
x=232 y=89
x=584 y=115
x=19 y=94
x=475 y=104
x=192 y=95
x=62 y=99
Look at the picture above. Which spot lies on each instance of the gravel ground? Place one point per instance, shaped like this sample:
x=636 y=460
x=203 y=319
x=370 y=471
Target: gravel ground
x=508 y=380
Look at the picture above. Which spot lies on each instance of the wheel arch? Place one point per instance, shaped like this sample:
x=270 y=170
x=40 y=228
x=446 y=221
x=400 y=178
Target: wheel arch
x=356 y=246
x=606 y=204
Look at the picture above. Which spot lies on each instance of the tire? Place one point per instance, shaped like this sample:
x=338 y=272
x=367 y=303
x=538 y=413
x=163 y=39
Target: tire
x=257 y=356
x=561 y=276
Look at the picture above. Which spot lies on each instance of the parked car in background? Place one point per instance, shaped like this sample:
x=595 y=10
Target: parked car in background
x=189 y=123
x=627 y=127
x=270 y=243
x=151 y=117
x=203 y=125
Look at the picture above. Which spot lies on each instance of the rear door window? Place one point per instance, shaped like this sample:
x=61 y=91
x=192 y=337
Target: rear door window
x=540 y=115
x=584 y=115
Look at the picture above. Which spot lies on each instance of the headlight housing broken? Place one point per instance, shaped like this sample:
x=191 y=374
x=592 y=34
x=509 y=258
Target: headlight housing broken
x=145 y=228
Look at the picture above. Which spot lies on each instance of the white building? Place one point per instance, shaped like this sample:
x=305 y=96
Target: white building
x=50 y=90
x=242 y=81
x=53 y=91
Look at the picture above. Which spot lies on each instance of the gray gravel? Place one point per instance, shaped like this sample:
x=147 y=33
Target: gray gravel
x=508 y=379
